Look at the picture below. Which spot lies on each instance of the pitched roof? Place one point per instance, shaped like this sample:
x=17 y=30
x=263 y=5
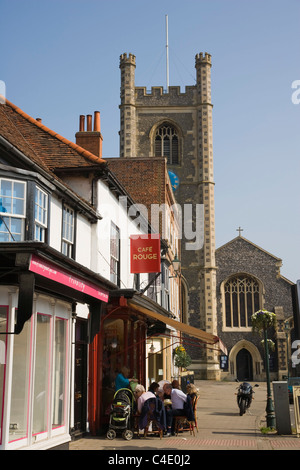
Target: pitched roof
x=43 y=145
x=45 y=148
x=239 y=237
x=278 y=261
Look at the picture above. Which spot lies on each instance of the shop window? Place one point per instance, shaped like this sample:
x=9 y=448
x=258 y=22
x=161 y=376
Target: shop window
x=12 y=210
x=18 y=424
x=113 y=357
x=40 y=214
x=39 y=387
x=59 y=397
x=3 y=329
x=41 y=381
x=67 y=247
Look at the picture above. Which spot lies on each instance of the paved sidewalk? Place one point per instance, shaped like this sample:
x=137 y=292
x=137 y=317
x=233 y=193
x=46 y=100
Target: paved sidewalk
x=219 y=427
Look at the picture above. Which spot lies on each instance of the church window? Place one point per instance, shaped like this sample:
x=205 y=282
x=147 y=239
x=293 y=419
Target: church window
x=242 y=299
x=166 y=143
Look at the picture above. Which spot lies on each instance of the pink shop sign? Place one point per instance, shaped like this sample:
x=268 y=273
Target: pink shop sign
x=50 y=271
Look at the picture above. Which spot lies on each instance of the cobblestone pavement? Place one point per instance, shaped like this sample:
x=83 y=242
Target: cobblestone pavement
x=219 y=427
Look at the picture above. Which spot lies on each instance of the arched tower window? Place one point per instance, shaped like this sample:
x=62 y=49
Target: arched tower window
x=242 y=295
x=166 y=143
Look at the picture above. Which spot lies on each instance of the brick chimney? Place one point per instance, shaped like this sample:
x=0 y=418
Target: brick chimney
x=89 y=139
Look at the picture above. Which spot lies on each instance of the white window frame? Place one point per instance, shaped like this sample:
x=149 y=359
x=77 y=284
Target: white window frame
x=68 y=227
x=9 y=213
x=115 y=241
x=40 y=214
x=54 y=310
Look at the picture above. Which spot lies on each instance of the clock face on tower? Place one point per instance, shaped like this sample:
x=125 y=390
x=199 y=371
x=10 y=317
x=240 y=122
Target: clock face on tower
x=174 y=180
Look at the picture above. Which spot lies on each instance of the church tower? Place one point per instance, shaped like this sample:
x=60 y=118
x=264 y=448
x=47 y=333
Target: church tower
x=178 y=126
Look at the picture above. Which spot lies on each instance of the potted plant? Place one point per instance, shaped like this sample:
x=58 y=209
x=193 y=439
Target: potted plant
x=262 y=320
x=271 y=344
x=181 y=357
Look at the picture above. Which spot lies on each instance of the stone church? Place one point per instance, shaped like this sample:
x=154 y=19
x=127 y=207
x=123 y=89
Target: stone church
x=178 y=126
x=249 y=279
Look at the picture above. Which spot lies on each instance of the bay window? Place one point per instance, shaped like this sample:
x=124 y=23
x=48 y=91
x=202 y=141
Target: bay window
x=17 y=206
x=40 y=214
x=12 y=210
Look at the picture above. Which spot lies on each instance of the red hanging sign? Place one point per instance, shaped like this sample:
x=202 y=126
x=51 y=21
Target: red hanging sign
x=145 y=253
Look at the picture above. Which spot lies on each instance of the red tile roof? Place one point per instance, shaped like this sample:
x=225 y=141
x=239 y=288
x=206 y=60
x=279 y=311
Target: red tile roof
x=43 y=145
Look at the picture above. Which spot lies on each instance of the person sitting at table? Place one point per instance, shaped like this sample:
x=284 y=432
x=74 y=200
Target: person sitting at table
x=181 y=405
x=154 y=387
x=149 y=407
x=192 y=391
x=178 y=399
x=175 y=384
x=167 y=388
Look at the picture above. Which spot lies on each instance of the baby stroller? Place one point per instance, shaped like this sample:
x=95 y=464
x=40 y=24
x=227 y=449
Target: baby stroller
x=121 y=415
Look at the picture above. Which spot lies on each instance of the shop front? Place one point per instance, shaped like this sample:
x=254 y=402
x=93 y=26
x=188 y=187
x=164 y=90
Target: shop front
x=120 y=342
x=131 y=325
x=38 y=295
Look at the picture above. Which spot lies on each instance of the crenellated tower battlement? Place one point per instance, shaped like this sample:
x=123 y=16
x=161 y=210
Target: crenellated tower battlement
x=127 y=59
x=172 y=96
x=203 y=58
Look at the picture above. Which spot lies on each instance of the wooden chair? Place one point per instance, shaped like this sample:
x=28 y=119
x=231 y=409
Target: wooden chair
x=194 y=404
x=156 y=427
x=183 y=424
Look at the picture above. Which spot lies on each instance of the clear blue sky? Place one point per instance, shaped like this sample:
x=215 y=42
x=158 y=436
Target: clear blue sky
x=60 y=59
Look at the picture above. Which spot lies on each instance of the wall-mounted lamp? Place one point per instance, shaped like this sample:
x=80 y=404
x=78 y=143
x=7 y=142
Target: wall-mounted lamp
x=176 y=265
x=114 y=343
x=152 y=348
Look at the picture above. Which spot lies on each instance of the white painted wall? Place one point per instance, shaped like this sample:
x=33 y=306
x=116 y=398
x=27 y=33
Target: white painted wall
x=85 y=231
x=93 y=240
x=83 y=250
x=55 y=224
x=112 y=210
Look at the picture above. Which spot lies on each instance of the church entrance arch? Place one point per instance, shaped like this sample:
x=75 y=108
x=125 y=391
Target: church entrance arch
x=245 y=362
x=244 y=365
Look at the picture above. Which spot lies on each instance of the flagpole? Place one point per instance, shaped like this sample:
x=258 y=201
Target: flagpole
x=167 y=52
